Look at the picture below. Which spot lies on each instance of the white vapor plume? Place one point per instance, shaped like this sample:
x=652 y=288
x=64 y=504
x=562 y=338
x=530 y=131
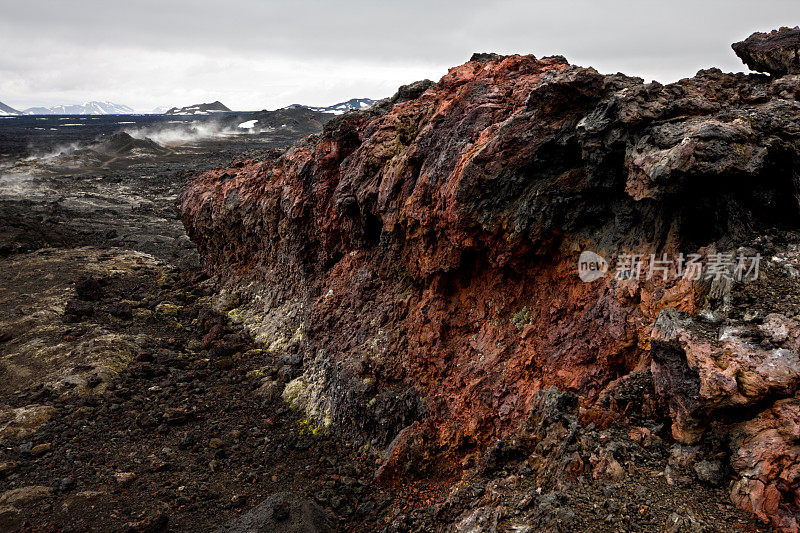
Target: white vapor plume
x=179 y=132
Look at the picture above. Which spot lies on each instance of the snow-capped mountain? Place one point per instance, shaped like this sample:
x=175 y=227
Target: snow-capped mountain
x=160 y=110
x=87 y=108
x=199 y=109
x=341 y=107
x=6 y=110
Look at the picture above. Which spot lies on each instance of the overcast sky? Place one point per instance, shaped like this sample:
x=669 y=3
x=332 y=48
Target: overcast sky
x=257 y=54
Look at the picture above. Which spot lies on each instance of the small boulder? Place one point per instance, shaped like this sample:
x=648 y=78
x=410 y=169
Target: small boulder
x=177 y=415
x=270 y=390
x=6 y=333
x=168 y=309
x=685 y=522
x=606 y=467
x=711 y=472
x=480 y=520
x=412 y=91
x=88 y=288
x=120 y=310
x=775 y=53
x=8 y=467
x=153 y=523
x=77 y=310
x=19 y=422
x=41 y=449
x=281 y=513
x=25 y=495
x=81 y=501
x=124 y=478
x=10 y=518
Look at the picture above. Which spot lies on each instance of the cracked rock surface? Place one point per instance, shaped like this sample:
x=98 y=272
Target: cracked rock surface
x=423 y=252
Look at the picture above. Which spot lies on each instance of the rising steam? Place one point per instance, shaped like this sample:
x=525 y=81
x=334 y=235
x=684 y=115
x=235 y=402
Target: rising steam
x=177 y=133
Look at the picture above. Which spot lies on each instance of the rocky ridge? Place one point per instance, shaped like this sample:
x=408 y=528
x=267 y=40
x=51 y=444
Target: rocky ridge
x=87 y=108
x=341 y=107
x=199 y=109
x=419 y=258
x=7 y=110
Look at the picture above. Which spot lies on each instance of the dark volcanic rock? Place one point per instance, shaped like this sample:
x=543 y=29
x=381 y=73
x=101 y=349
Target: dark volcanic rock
x=776 y=52
x=88 y=288
x=411 y=91
x=483 y=57
x=122 y=143
x=76 y=310
x=155 y=523
x=281 y=513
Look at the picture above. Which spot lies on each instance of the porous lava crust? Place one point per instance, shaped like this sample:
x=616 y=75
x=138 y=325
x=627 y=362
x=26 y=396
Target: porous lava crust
x=776 y=52
x=420 y=257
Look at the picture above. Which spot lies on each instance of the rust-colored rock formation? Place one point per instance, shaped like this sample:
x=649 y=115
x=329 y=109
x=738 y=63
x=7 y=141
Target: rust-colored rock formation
x=420 y=258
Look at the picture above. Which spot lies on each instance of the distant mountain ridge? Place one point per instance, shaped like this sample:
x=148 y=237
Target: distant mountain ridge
x=341 y=107
x=199 y=109
x=87 y=108
x=7 y=110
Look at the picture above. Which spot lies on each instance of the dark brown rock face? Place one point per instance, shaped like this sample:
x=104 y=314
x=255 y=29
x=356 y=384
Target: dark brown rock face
x=776 y=53
x=420 y=257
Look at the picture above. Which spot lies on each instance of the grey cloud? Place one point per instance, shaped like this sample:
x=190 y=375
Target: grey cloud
x=182 y=49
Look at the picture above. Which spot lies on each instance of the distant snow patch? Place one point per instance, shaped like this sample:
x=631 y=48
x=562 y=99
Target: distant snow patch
x=248 y=124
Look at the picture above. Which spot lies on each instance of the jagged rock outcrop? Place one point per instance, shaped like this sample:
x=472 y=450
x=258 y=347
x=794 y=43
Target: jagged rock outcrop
x=766 y=455
x=703 y=369
x=199 y=109
x=420 y=256
x=776 y=52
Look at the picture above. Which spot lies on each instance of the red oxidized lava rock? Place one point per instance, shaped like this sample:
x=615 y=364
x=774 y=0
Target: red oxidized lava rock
x=767 y=457
x=703 y=370
x=421 y=255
